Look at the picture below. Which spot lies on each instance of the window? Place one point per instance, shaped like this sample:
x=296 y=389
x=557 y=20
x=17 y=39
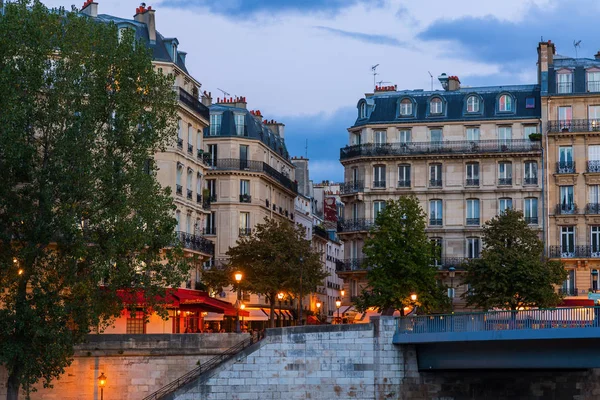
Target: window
x=565 y=160
x=244 y=157
x=355 y=211
x=403 y=175
x=505 y=103
x=199 y=187
x=405 y=136
x=567 y=241
x=437 y=244
x=593 y=158
x=595 y=242
x=473 y=212
x=504 y=204
x=594 y=194
x=179 y=133
x=190 y=182
x=199 y=141
x=435 y=106
x=354 y=175
x=530 y=102
x=211 y=185
x=212 y=151
x=565 y=115
x=245 y=191
x=379 y=176
x=504 y=134
x=531 y=177
x=188 y=223
x=362 y=113
x=136 y=323
x=473 y=134
x=530 y=210
x=355 y=138
x=473 y=247
x=564 y=82
x=593 y=81
x=504 y=173
x=435 y=135
x=380 y=137
x=215 y=124
x=178 y=219
x=190 y=139
x=378 y=206
x=530 y=129
x=178 y=178
x=406 y=107
x=473 y=104
x=245 y=224
x=568 y=287
x=240 y=124
x=435 y=175
x=594 y=117
x=435 y=212
x=472 y=174
x=567 y=205
x=211 y=224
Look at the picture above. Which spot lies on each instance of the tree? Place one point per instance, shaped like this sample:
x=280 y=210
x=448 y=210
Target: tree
x=81 y=114
x=399 y=256
x=512 y=271
x=274 y=258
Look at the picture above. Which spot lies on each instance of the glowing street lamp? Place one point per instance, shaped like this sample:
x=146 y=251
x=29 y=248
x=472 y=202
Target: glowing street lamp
x=318 y=304
x=413 y=297
x=280 y=297
x=238 y=279
x=102 y=382
x=338 y=304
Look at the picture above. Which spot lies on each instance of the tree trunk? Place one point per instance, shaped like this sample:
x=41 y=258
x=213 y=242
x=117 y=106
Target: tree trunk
x=12 y=387
x=389 y=311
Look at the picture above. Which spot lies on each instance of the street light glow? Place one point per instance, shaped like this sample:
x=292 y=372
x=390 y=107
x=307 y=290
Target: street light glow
x=338 y=303
x=318 y=304
x=238 y=277
x=413 y=297
x=102 y=380
x=280 y=296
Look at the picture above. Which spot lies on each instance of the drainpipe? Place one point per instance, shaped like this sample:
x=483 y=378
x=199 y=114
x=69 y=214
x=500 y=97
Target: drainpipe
x=545 y=197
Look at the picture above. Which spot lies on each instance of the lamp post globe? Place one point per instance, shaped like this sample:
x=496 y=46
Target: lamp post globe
x=338 y=304
x=101 y=383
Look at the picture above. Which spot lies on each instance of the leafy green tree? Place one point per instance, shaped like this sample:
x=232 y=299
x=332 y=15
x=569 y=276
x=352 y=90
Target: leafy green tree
x=274 y=258
x=399 y=256
x=512 y=271
x=81 y=115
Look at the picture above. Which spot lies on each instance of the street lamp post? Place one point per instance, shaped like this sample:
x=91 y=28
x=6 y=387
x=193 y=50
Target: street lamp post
x=338 y=304
x=319 y=310
x=300 y=302
x=242 y=307
x=238 y=279
x=413 y=301
x=102 y=383
x=280 y=297
x=451 y=272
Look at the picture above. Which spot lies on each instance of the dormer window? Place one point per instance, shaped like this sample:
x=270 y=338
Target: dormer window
x=435 y=106
x=564 y=81
x=406 y=107
x=505 y=103
x=593 y=80
x=473 y=104
x=175 y=52
x=362 y=111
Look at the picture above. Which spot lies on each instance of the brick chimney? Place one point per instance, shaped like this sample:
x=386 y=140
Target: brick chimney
x=89 y=8
x=546 y=51
x=383 y=89
x=238 y=102
x=276 y=127
x=207 y=98
x=146 y=16
x=257 y=116
x=453 y=83
x=596 y=56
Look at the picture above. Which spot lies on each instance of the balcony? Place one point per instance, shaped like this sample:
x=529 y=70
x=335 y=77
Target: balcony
x=504 y=181
x=210 y=230
x=245 y=198
x=190 y=148
x=355 y=225
x=404 y=183
x=179 y=190
x=568 y=291
x=473 y=221
x=531 y=220
x=320 y=231
x=195 y=243
x=530 y=180
x=564 y=87
x=593 y=86
x=574 y=251
x=445 y=147
x=245 y=231
x=472 y=182
x=566 y=209
x=379 y=184
x=206 y=202
x=236 y=164
x=180 y=143
x=435 y=183
x=351 y=264
x=205 y=158
x=593 y=166
x=565 y=167
x=443 y=263
x=592 y=208
x=574 y=125
x=435 y=222
x=198 y=198
x=195 y=104
x=189 y=194
x=352 y=187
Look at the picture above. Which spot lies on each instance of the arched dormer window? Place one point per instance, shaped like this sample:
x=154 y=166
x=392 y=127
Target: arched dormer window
x=505 y=103
x=406 y=107
x=436 y=106
x=362 y=110
x=473 y=104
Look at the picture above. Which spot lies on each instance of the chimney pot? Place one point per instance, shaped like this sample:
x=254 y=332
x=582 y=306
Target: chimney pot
x=597 y=55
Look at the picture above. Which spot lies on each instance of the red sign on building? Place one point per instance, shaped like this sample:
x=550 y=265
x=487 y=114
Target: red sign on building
x=330 y=209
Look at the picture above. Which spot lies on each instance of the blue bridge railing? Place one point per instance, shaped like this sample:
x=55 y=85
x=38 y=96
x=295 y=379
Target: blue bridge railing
x=555 y=318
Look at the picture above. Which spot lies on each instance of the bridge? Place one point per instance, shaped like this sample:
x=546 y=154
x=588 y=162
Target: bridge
x=561 y=338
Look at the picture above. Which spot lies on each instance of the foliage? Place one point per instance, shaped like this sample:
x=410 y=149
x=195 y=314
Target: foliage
x=274 y=258
x=512 y=271
x=399 y=255
x=81 y=115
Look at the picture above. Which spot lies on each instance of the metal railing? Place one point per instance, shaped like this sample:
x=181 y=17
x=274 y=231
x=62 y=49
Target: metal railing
x=360 y=264
x=530 y=180
x=355 y=225
x=565 y=167
x=379 y=184
x=435 y=221
x=435 y=183
x=593 y=166
x=574 y=125
x=404 y=183
x=568 y=291
x=204 y=367
x=531 y=220
x=473 y=221
x=566 y=251
x=245 y=231
x=179 y=189
x=443 y=147
x=195 y=242
x=194 y=104
x=566 y=209
x=352 y=187
x=555 y=318
x=504 y=181
x=472 y=182
x=245 y=198
x=592 y=208
x=237 y=164
x=351 y=264
x=564 y=87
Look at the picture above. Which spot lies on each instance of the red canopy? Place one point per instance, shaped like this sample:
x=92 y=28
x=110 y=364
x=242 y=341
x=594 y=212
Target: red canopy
x=577 y=303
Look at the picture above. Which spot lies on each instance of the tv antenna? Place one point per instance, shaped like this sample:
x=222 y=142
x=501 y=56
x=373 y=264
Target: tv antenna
x=306 y=150
x=382 y=82
x=224 y=92
x=576 y=44
x=374 y=69
x=431 y=76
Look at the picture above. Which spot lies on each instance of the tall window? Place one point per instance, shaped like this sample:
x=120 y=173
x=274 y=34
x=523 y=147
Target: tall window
x=531 y=176
x=404 y=175
x=594 y=199
x=530 y=210
x=435 y=135
x=473 y=104
x=212 y=150
x=211 y=185
x=505 y=103
x=504 y=134
x=199 y=187
x=473 y=247
x=594 y=117
x=215 y=124
x=593 y=81
x=244 y=223
x=473 y=134
x=179 y=132
x=406 y=107
x=243 y=156
x=435 y=106
x=472 y=174
x=565 y=160
x=435 y=175
x=362 y=113
x=178 y=219
x=567 y=241
x=473 y=212
x=564 y=82
x=136 y=323
x=354 y=175
x=380 y=138
x=504 y=204
x=565 y=115
x=190 y=138
x=199 y=140
x=244 y=188
x=567 y=204
x=530 y=129
x=211 y=224
x=240 y=124
x=378 y=206
x=178 y=179
x=405 y=136
x=355 y=138
x=354 y=211
x=568 y=287
x=379 y=176
x=435 y=212
x=504 y=173
x=188 y=224
x=595 y=241
x=437 y=244
x=190 y=182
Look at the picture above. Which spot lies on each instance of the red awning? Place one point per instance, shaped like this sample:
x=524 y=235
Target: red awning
x=577 y=303
x=312 y=320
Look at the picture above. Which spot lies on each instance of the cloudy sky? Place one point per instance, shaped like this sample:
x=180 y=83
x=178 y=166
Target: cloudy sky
x=306 y=63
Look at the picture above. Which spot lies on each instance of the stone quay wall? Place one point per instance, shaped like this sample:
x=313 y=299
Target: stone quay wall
x=135 y=365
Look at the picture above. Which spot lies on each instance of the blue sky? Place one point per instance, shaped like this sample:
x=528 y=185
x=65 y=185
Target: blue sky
x=307 y=63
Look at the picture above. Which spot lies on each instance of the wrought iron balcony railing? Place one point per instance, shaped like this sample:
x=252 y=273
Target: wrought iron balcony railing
x=565 y=167
x=574 y=125
x=180 y=143
x=435 y=221
x=593 y=86
x=179 y=189
x=473 y=221
x=444 y=147
x=568 y=291
x=245 y=231
x=198 y=198
x=355 y=225
x=437 y=183
x=379 y=184
x=210 y=230
x=592 y=208
x=245 y=198
x=593 y=166
x=472 y=182
x=504 y=181
x=564 y=87
x=568 y=251
x=195 y=104
x=404 y=183
x=351 y=264
x=190 y=148
x=195 y=242
x=236 y=164
x=566 y=209
x=531 y=220
x=189 y=194
x=206 y=202
x=352 y=187
x=533 y=180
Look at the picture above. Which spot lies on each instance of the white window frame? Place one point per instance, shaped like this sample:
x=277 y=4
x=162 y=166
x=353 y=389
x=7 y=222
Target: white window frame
x=505 y=103
x=530 y=208
x=379 y=137
x=592 y=85
x=564 y=82
x=244 y=187
x=436 y=130
x=473 y=104
x=378 y=206
x=567 y=241
x=473 y=134
x=379 y=174
x=215 y=124
x=436 y=106
x=405 y=135
x=595 y=241
x=504 y=203
x=436 y=210
x=406 y=107
x=473 y=247
x=473 y=209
